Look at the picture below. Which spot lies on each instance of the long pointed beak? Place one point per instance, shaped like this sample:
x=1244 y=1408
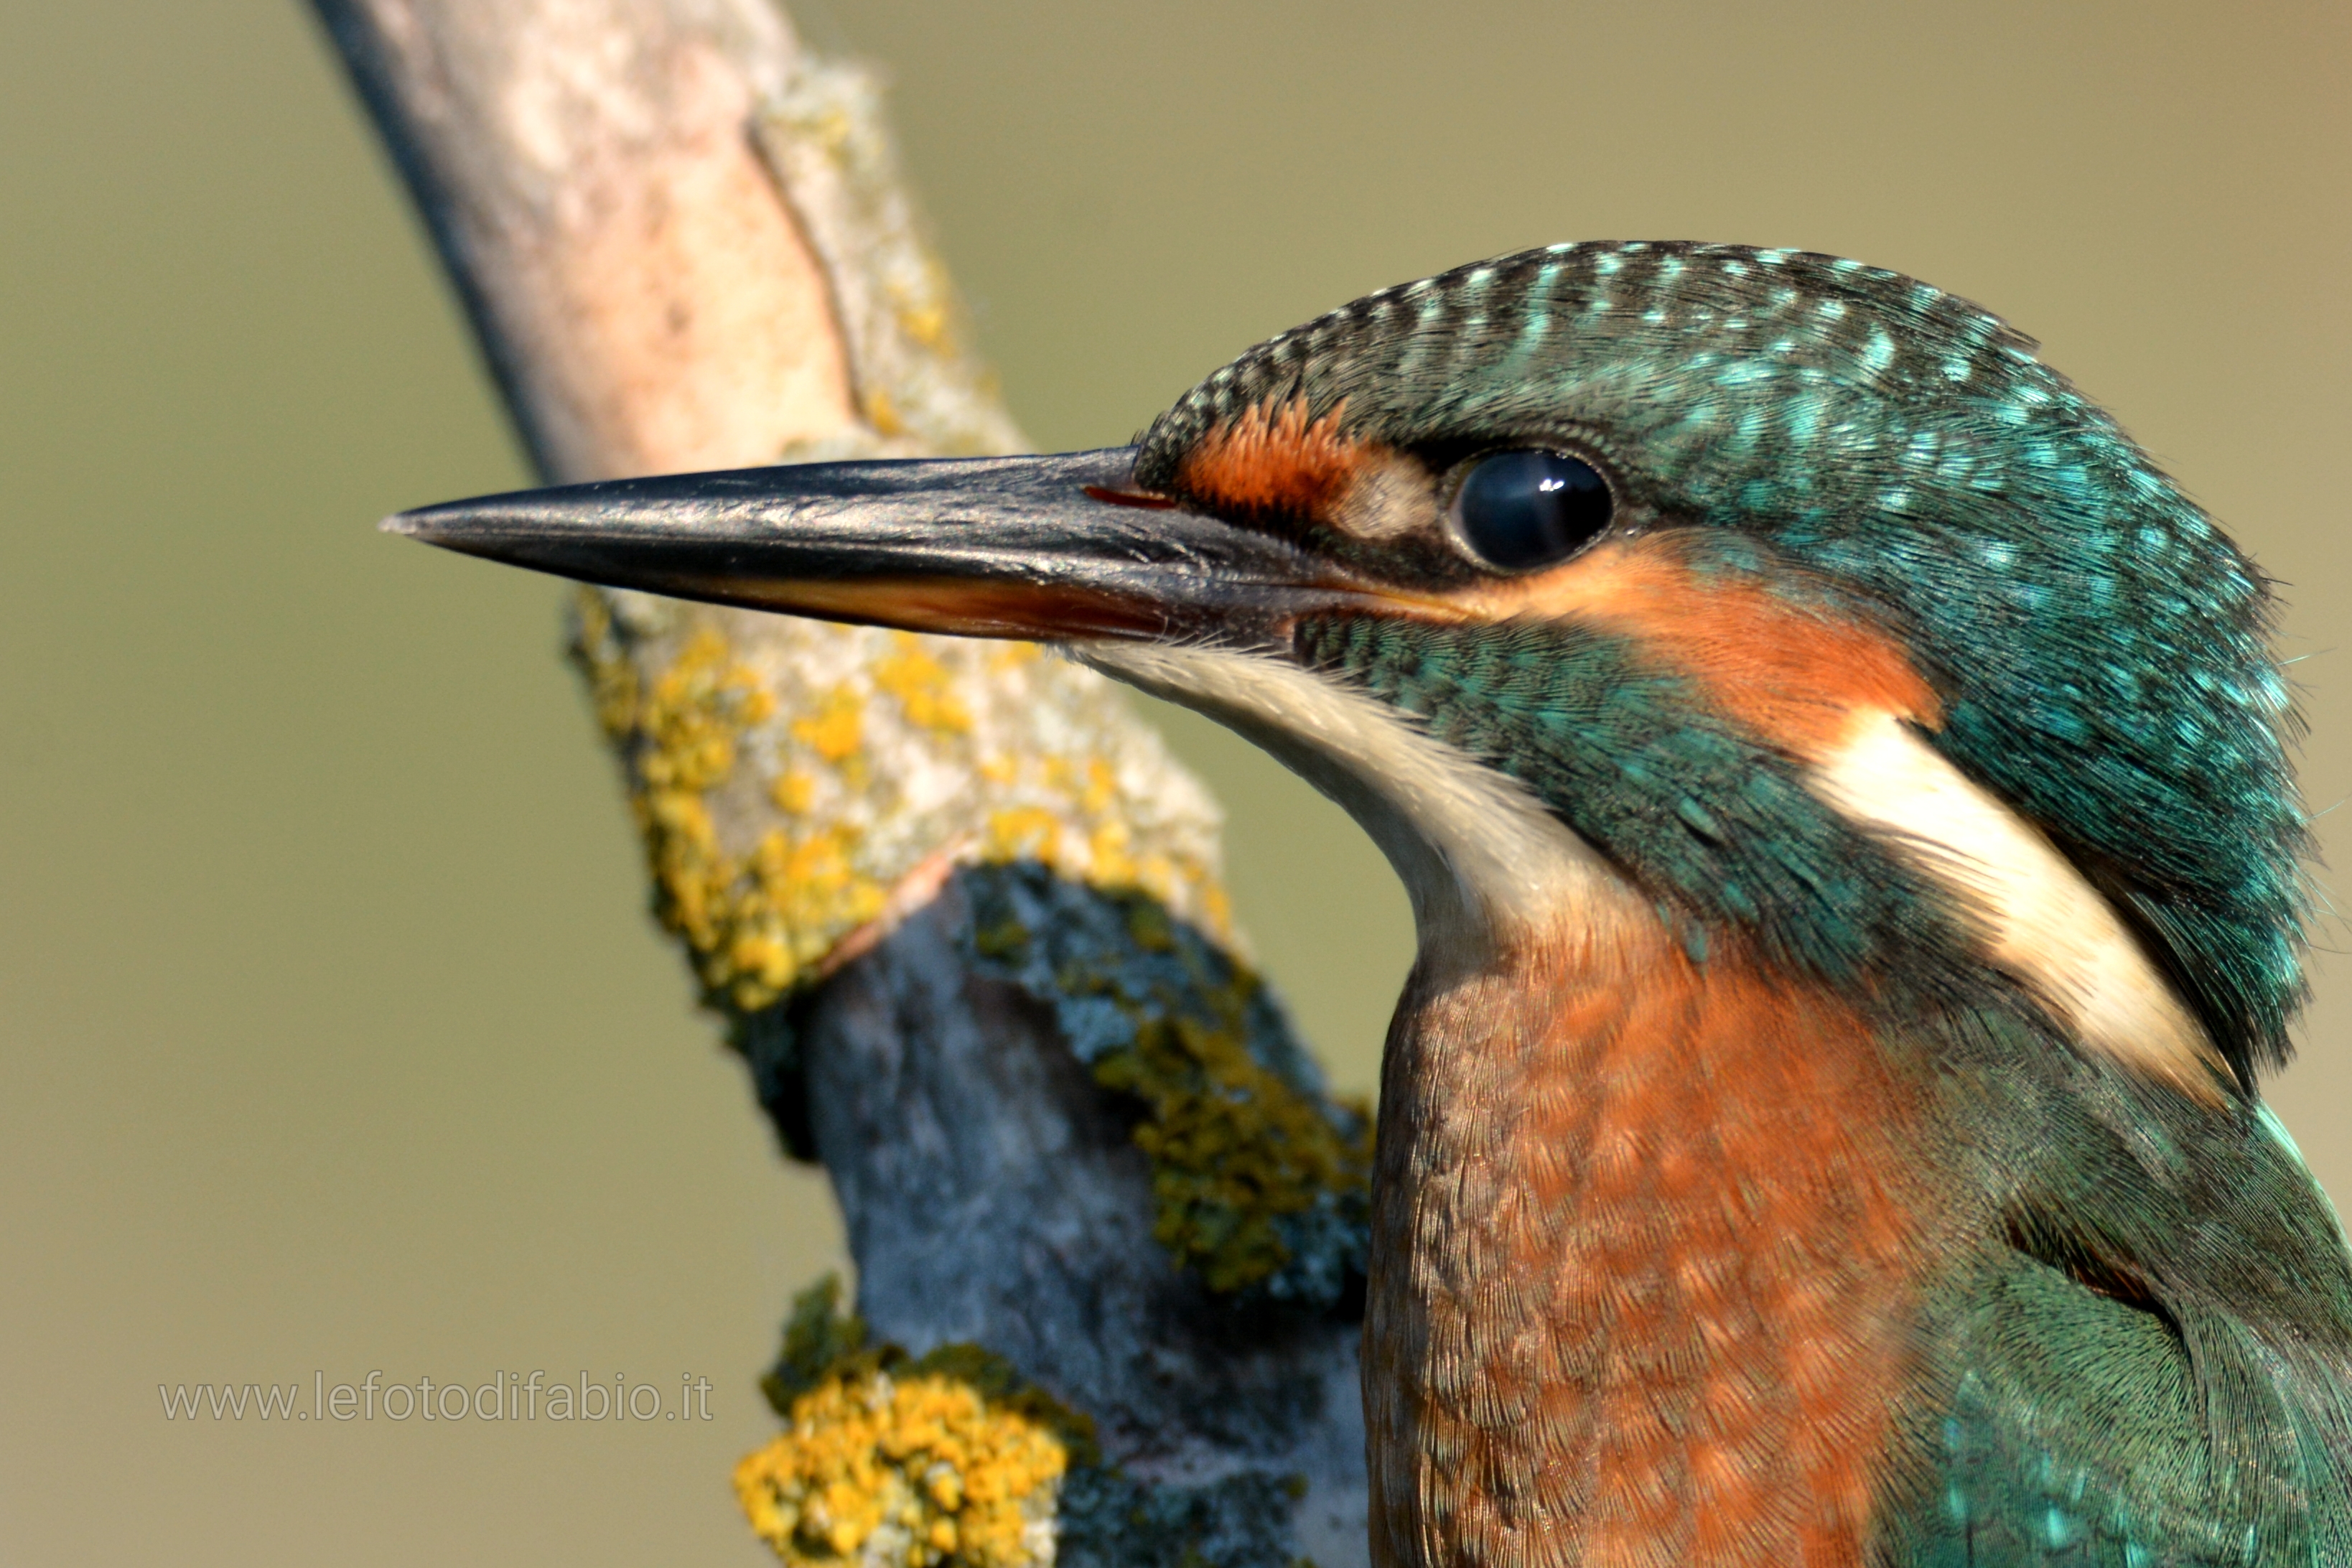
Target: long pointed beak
x=1051 y=547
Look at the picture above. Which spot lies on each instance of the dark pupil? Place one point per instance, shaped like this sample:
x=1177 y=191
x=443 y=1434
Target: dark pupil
x=1526 y=509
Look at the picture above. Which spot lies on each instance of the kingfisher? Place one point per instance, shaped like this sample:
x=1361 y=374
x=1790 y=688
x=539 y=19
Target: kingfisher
x=1842 y=786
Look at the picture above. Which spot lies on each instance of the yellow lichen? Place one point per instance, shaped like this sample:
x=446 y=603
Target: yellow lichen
x=684 y=735
x=928 y=326
x=780 y=913
x=833 y=130
x=810 y=882
x=612 y=678
x=754 y=922
x=920 y=1451
x=835 y=730
x=1101 y=788
x=882 y=414
x=1014 y=655
x=850 y=782
x=923 y=687
x=1082 y=832
x=691 y=719
x=1106 y=847
x=794 y=792
x=1024 y=833
x=888 y=1460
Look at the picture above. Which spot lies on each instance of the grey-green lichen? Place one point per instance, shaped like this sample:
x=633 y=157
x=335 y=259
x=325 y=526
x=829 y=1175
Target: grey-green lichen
x=952 y=1460
x=1260 y=1181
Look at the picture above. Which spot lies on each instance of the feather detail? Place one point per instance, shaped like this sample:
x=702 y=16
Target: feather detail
x=2039 y=922
x=1647 y=1244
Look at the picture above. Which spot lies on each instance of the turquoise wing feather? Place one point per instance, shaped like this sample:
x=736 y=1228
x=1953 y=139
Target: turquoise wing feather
x=2187 y=1405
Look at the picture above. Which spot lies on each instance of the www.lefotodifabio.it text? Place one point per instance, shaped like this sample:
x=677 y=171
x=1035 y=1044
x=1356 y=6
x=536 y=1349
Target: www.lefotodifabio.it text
x=507 y=1396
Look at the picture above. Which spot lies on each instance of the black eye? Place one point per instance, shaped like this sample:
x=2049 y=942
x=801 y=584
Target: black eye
x=1525 y=509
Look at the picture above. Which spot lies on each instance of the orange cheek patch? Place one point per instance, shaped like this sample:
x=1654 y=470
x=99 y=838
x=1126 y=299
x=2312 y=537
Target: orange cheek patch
x=1277 y=461
x=1793 y=675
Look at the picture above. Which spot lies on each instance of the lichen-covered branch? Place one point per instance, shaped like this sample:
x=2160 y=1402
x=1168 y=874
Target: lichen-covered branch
x=961 y=910
x=873 y=1463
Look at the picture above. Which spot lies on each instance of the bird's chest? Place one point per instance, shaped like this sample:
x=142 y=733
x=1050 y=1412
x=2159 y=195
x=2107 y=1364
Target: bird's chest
x=1645 y=1258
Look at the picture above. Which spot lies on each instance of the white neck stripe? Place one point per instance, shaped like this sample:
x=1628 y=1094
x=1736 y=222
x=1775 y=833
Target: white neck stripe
x=2039 y=922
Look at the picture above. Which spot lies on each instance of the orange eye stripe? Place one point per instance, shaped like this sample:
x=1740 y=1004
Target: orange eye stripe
x=1793 y=675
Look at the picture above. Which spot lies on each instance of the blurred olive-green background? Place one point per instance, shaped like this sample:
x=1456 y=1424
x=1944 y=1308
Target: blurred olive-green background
x=335 y=1036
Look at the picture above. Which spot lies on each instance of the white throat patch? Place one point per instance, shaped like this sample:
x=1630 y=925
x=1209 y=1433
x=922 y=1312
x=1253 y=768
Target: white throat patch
x=1480 y=856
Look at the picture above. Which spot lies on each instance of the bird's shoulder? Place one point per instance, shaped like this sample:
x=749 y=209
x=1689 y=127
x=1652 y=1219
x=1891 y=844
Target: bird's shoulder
x=2145 y=1357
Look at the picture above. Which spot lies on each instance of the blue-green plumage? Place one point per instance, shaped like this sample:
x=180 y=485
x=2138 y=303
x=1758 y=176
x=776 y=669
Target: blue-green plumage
x=2147 y=1360
x=2155 y=1372
x=1714 y=821
x=2112 y=674
x=2149 y=1365
x=2036 y=871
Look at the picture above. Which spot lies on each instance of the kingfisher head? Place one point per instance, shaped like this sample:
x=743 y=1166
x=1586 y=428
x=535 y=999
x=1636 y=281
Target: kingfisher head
x=1787 y=599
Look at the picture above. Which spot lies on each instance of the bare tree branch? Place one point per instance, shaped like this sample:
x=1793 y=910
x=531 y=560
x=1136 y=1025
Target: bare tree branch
x=647 y=303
